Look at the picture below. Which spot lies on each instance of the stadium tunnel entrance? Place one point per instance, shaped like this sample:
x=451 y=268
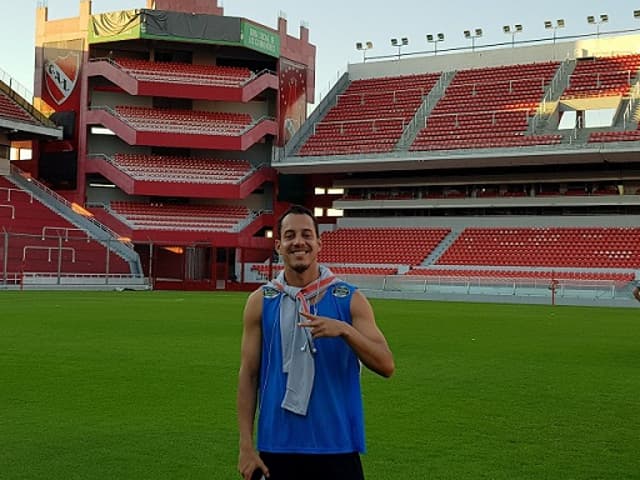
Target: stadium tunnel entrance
x=196 y=266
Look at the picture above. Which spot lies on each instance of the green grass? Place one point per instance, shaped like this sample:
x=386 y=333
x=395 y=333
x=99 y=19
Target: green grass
x=141 y=385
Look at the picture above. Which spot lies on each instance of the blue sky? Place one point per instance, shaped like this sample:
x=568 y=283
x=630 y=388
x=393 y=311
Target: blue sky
x=336 y=25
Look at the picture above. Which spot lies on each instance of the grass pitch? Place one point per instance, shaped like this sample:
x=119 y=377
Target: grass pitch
x=141 y=385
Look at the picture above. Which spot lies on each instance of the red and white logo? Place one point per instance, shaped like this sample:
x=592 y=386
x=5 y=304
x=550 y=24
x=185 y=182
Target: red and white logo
x=61 y=75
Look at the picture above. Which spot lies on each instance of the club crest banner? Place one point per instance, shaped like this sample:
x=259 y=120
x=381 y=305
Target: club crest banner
x=62 y=63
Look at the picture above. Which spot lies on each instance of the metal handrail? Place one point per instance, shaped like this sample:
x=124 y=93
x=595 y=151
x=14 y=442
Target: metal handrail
x=40 y=186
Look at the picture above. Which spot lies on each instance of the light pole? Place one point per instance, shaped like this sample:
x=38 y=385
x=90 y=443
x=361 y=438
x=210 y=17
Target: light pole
x=364 y=46
x=591 y=20
x=477 y=33
x=439 y=37
x=548 y=24
x=509 y=30
x=401 y=42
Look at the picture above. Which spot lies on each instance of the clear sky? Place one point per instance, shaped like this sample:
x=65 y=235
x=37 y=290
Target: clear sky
x=336 y=25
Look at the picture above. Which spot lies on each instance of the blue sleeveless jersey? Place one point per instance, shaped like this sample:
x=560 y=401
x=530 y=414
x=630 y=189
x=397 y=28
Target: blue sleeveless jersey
x=334 y=422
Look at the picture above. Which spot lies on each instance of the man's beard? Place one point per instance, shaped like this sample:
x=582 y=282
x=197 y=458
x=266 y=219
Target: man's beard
x=300 y=268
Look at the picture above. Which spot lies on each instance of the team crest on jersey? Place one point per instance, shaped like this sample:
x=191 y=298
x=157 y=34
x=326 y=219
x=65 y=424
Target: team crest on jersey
x=341 y=291
x=270 y=292
x=61 y=74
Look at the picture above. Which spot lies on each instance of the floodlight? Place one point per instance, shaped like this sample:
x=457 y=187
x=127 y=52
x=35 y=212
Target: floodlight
x=364 y=46
x=402 y=42
x=602 y=18
x=476 y=33
x=548 y=24
x=518 y=27
x=636 y=14
x=506 y=29
x=439 y=37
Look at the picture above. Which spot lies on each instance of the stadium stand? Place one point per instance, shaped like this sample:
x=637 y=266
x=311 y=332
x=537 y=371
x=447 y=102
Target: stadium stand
x=184 y=121
x=425 y=159
x=488 y=107
x=41 y=241
x=369 y=116
x=546 y=247
x=184 y=73
x=9 y=109
x=391 y=246
x=157 y=216
x=182 y=169
x=603 y=76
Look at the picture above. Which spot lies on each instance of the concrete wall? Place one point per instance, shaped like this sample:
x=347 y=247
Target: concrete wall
x=499 y=56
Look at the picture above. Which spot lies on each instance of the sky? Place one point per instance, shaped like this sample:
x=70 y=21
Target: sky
x=336 y=25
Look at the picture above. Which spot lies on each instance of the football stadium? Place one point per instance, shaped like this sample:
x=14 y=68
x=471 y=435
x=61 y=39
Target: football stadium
x=486 y=199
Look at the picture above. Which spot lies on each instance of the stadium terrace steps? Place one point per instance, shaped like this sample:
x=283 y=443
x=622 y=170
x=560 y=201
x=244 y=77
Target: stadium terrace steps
x=546 y=247
x=174 y=72
x=394 y=246
x=481 y=108
x=182 y=128
x=370 y=116
x=9 y=109
x=182 y=80
x=182 y=169
x=37 y=236
x=603 y=76
x=158 y=216
x=184 y=121
x=488 y=108
x=620 y=136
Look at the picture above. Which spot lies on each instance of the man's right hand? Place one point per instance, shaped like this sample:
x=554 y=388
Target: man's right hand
x=249 y=462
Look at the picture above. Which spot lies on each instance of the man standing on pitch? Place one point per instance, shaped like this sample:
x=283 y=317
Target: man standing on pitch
x=305 y=335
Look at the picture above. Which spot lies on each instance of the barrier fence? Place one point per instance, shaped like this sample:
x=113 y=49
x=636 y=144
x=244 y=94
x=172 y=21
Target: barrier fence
x=57 y=254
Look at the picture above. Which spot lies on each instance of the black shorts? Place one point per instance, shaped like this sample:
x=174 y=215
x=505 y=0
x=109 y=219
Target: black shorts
x=287 y=466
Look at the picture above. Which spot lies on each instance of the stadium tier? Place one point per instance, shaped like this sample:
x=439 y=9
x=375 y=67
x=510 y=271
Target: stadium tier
x=40 y=241
x=602 y=77
x=173 y=121
x=180 y=73
x=11 y=110
x=157 y=216
x=182 y=169
x=488 y=107
x=184 y=121
x=406 y=246
x=546 y=247
x=369 y=116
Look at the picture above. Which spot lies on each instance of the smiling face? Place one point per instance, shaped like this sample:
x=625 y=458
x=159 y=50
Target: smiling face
x=298 y=243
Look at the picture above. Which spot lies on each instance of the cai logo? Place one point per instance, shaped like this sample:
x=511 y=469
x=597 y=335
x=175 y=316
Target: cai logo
x=61 y=75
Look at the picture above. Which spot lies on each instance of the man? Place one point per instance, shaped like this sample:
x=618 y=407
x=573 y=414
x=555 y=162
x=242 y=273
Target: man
x=305 y=335
x=636 y=293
